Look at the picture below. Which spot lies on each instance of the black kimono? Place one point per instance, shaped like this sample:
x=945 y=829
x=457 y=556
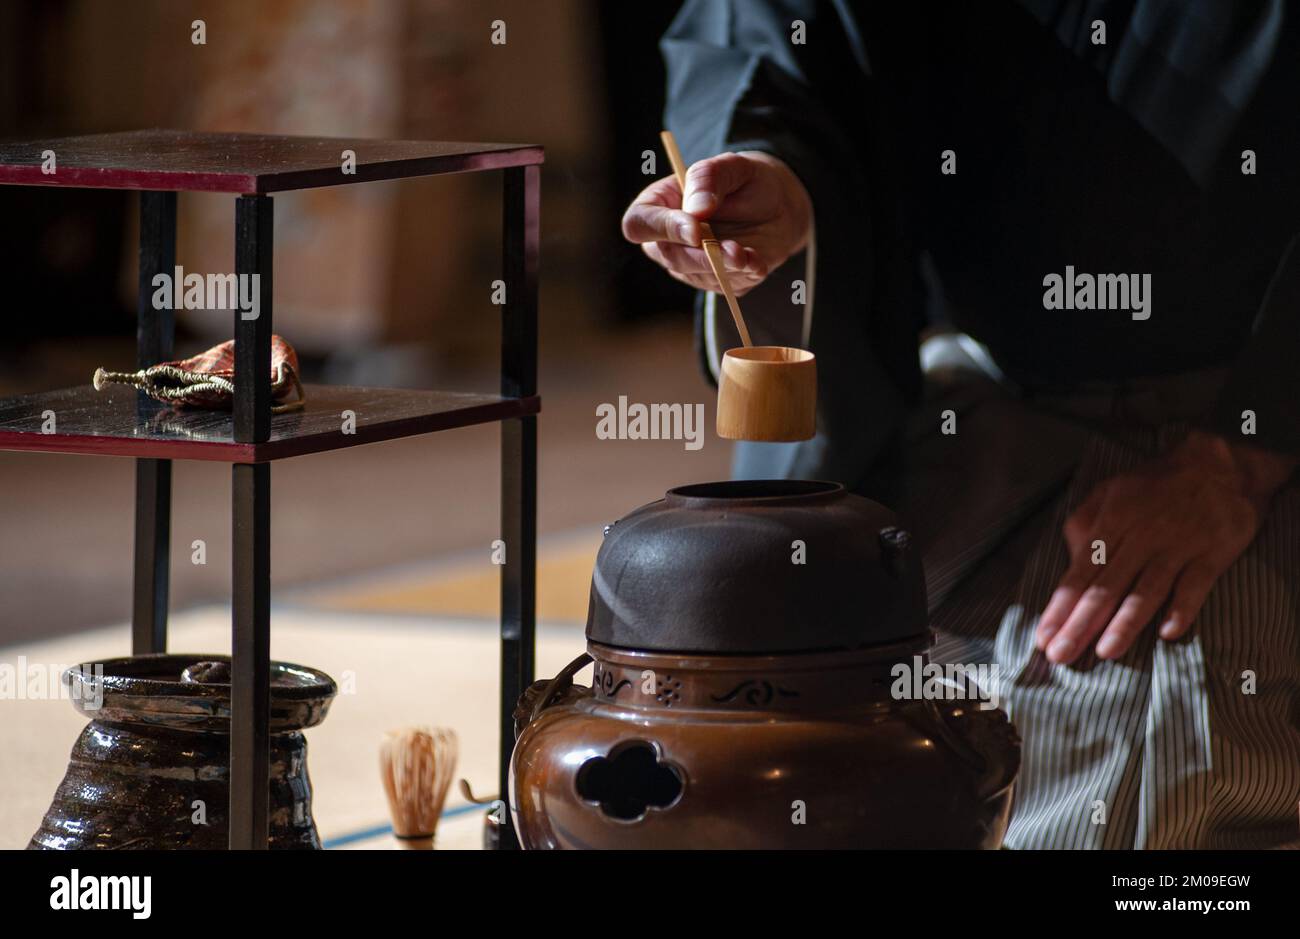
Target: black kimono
x=1169 y=153
x=1110 y=158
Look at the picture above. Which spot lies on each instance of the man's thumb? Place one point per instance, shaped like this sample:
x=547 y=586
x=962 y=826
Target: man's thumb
x=709 y=181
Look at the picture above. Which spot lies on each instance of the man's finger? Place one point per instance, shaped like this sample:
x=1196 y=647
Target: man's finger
x=741 y=282
x=698 y=281
x=646 y=221
x=1097 y=604
x=1135 y=613
x=1190 y=593
x=1079 y=527
x=687 y=260
x=710 y=181
x=1078 y=576
x=1078 y=531
x=658 y=251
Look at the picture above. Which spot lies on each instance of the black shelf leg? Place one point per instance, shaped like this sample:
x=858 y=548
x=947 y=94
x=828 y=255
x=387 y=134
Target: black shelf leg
x=254 y=232
x=520 y=227
x=153 y=516
x=155 y=330
x=250 y=691
x=250 y=645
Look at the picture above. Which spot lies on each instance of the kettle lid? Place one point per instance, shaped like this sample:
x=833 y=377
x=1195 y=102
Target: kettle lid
x=755 y=567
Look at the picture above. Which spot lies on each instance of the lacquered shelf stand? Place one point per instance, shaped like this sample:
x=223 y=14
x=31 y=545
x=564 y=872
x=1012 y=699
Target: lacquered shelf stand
x=123 y=422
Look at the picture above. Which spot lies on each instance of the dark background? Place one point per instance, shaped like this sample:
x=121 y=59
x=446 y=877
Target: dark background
x=65 y=256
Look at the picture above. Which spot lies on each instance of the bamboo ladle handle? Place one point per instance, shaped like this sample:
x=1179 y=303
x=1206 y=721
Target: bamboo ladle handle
x=708 y=241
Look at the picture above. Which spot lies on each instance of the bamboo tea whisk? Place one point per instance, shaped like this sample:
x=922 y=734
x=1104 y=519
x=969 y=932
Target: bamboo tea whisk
x=417 y=765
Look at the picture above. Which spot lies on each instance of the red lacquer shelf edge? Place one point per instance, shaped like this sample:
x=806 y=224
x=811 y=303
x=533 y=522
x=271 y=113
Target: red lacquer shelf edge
x=74 y=177
x=229 y=452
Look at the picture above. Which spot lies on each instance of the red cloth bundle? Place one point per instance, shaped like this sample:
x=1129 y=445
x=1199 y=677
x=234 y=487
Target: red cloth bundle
x=207 y=380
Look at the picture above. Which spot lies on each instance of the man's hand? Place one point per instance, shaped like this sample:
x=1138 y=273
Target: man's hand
x=1170 y=528
x=755 y=204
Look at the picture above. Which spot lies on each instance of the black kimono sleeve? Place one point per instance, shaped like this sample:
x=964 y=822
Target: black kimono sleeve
x=1265 y=379
x=739 y=79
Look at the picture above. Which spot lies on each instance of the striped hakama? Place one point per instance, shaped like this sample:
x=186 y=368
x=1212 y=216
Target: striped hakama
x=1186 y=744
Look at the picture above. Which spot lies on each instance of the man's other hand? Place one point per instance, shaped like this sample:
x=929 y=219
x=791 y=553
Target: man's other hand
x=756 y=205
x=1169 y=529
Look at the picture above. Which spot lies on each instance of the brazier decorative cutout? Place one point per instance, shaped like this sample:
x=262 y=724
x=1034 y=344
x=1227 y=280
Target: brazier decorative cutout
x=629 y=782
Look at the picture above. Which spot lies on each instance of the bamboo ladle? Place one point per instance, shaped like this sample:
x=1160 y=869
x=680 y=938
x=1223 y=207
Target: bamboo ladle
x=765 y=392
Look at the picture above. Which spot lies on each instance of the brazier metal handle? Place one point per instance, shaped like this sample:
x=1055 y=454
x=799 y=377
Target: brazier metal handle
x=557 y=685
x=542 y=694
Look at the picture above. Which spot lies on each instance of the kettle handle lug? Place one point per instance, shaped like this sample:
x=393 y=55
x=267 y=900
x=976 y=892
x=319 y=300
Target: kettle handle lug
x=562 y=680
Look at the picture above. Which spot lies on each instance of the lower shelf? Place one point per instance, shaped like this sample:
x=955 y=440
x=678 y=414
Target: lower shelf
x=122 y=422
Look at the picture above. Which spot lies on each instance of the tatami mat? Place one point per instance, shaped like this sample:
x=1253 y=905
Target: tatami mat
x=419 y=644
x=470 y=586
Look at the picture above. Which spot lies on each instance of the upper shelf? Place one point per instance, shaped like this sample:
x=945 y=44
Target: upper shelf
x=119 y=421
x=189 y=161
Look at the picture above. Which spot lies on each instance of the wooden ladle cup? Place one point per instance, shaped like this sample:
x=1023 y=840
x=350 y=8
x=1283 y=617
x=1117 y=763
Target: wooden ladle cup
x=767 y=393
